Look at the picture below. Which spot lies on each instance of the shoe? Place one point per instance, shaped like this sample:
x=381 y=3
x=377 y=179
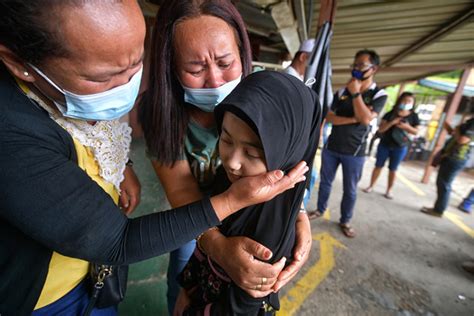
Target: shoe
x=431 y=211
x=464 y=209
x=388 y=195
x=468 y=266
x=368 y=190
x=347 y=230
x=314 y=214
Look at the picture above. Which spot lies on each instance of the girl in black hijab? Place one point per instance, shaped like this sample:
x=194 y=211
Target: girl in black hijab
x=270 y=121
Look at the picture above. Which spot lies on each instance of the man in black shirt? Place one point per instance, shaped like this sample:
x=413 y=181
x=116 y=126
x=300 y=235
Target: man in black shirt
x=353 y=108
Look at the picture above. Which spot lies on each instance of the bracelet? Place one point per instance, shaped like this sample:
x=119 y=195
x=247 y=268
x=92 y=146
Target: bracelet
x=198 y=238
x=355 y=95
x=129 y=163
x=303 y=210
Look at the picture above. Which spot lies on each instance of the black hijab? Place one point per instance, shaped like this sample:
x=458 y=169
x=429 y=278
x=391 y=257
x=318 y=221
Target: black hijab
x=286 y=115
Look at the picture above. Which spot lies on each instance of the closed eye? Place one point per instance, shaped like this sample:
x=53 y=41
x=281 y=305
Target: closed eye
x=253 y=155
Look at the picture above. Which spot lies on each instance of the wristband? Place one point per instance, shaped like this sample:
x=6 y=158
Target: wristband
x=355 y=95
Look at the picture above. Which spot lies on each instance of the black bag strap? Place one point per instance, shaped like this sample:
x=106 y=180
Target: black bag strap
x=104 y=271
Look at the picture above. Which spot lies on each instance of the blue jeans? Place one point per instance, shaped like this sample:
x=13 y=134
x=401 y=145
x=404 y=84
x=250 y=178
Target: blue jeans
x=326 y=132
x=74 y=303
x=394 y=154
x=468 y=201
x=178 y=260
x=351 y=174
x=448 y=170
x=308 y=191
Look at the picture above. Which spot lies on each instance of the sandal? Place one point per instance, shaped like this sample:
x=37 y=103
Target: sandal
x=347 y=230
x=388 y=196
x=314 y=214
x=368 y=190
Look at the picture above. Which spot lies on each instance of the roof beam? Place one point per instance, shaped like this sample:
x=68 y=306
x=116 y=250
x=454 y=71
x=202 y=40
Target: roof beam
x=298 y=5
x=405 y=69
x=283 y=17
x=443 y=30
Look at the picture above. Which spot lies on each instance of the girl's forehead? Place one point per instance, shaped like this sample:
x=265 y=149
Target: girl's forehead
x=240 y=130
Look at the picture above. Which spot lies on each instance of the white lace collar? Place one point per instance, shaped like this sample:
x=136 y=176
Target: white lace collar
x=109 y=141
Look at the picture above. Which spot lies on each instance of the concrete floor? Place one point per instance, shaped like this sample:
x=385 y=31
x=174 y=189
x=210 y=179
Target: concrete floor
x=402 y=262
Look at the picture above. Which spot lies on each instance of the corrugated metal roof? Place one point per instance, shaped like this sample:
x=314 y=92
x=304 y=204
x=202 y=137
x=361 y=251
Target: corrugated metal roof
x=389 y=27
x=450 y=87
x=392 y=28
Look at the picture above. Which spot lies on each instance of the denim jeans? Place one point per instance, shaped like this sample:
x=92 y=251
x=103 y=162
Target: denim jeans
x=448 y=170
x=308 y=191
x=394 y=154
x=178 y=260
x=351 y=174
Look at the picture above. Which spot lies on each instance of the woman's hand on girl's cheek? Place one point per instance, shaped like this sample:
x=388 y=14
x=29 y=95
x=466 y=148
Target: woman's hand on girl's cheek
x=301 y=251
x=240 y=257
x=257 y=189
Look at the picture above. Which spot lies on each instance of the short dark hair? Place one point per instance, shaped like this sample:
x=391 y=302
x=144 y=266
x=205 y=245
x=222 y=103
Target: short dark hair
x=162 y=110
x=374 y=57
x=28 y=30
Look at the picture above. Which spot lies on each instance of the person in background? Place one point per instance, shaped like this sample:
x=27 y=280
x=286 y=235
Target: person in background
x=191 y=72
x=354 y=106
x=297 y=69
x=298 y=65
x=68 y=72
x=395 y=127
x=452 y=159
x=466 y=204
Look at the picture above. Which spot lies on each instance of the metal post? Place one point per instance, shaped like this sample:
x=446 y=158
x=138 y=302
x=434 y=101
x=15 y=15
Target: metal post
x=327 y=11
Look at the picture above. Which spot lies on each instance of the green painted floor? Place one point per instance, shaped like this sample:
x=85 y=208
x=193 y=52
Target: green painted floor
x=146 y=293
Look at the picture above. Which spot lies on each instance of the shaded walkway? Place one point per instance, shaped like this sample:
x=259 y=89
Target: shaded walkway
x=402 y=262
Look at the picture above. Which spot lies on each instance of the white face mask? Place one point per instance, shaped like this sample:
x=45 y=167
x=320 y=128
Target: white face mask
x=103 y=106
x=405 y=106
x=208 y=98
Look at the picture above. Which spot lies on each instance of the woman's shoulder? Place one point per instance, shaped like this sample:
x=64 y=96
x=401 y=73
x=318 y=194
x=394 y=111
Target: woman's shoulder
x=26 y=126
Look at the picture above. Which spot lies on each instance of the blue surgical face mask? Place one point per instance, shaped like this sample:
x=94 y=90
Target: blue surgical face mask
x=207 y=99
x=104 y=106
x=405 y=106
x=359 y=74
